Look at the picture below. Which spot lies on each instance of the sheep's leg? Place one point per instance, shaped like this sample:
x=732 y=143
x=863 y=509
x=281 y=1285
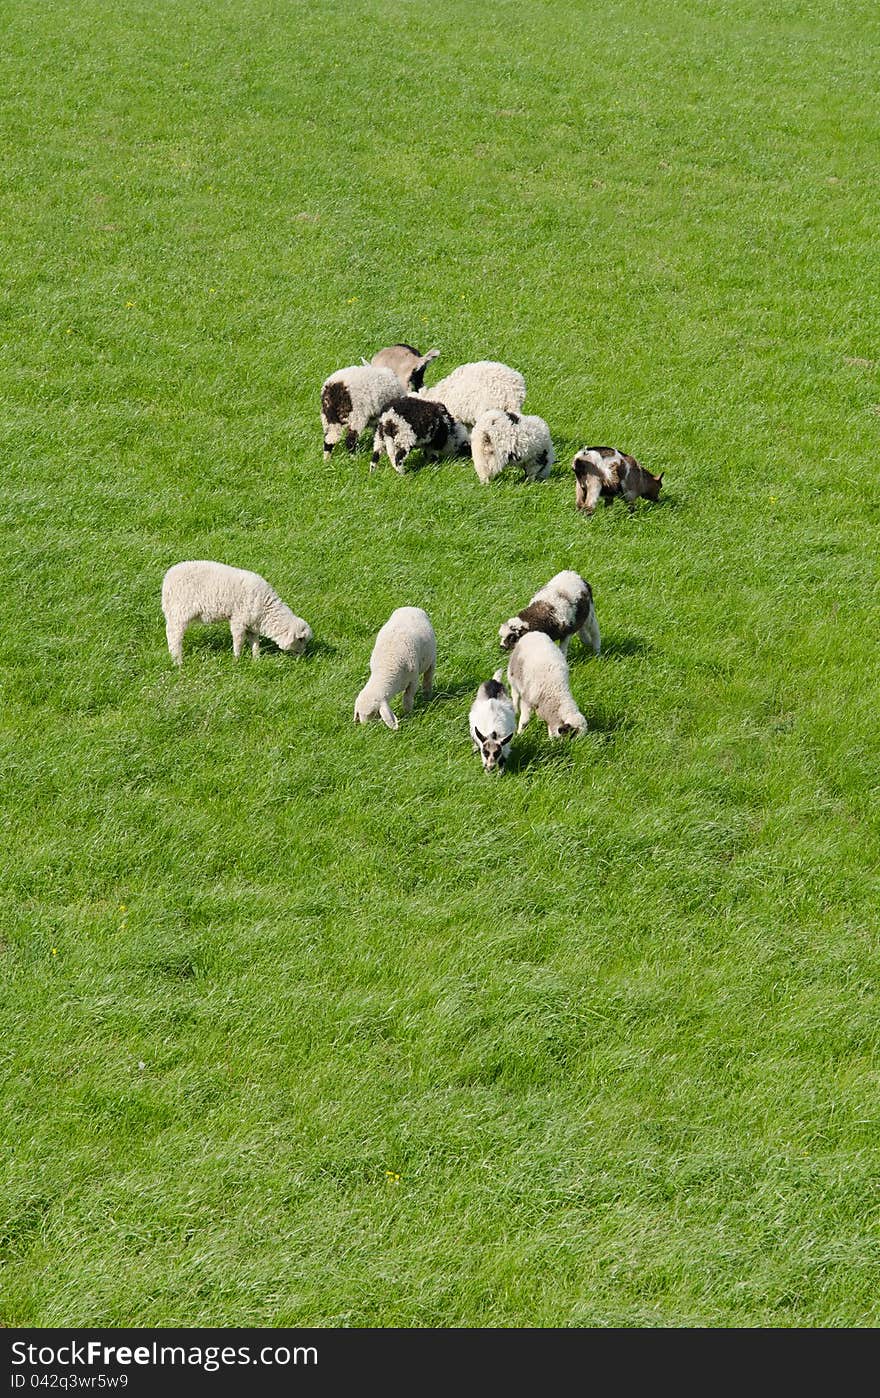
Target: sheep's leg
x=351 y=438
x=378 y=444
x=588 y=495
x=409 y=696
x=239 y=632
x=525 y=714
x=387 y=716
x=174 y=635
x=589 y=633
x=428 y=681
x=253 y=640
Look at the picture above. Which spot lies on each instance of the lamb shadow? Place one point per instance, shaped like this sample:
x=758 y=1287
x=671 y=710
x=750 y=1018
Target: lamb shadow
x=449 y=692
x=622 y=647
x=538 y=750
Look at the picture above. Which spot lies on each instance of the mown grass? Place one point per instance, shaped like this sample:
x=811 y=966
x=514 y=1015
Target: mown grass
x=305 y=1024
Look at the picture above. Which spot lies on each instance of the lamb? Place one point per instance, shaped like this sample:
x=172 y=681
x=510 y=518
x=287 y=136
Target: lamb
x=405 y=648
x=560 y=609
x=538 y=679
x=608 y=472
x=411 y=422
x=406 y=362
x=472 y=389
x=500 y=437
x=206 y=592
x=351 y=401
x=492 y=721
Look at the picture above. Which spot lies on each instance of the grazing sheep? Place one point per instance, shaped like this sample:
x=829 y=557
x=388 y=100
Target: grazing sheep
x=500 y=437
x=405 y=648
x=492 y=723
x=351 y=401
x=606 y=472
x=561 y=608
x=538 y=679
x=204 y=591
x=472 y=389
x=406 y=362
x=412 y=422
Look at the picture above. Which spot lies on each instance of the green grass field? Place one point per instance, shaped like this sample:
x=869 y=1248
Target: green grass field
x=311 y=1024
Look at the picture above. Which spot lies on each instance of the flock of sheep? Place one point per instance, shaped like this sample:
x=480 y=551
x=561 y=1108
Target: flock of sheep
x=473 y=412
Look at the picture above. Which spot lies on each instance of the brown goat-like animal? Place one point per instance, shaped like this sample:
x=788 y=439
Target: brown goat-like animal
x=607 y=472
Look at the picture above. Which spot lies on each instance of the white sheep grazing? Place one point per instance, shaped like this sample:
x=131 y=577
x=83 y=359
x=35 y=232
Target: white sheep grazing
x=206 y=592
x=561 y=609
x=411 y=422
x=406 y=362
x=351 y=401
x=472 y=389
x=492 y=723
x=500 y=437
x=538 y=679
x=405 y=648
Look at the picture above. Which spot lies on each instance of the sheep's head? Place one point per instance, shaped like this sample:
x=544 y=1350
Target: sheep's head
x=652 y=485
x=368 y=707
x=296 y=637
x=569 y=728
x=509 y=632
x=492 y=750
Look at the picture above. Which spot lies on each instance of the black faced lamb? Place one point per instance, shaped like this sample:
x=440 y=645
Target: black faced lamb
x=492 y=723
x=411 y=423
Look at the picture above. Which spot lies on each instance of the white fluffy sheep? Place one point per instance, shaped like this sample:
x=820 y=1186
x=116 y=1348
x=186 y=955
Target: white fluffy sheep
x=538 y=679
x=560 y=609
x=500 y=437
x=492 y=723
x=206 y=592
x=406 y=362
x=405 y=648
x=351 y=401
x=411 y=422
x=472 y=389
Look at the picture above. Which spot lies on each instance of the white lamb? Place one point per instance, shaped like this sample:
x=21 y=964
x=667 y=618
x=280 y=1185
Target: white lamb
x=538 y=679
x=206 y=592
x=406 y=362
x=405 y=648
x=492 y=723
x=562 y=608
x=472 y=389
x=351 y=401
x=500 y=437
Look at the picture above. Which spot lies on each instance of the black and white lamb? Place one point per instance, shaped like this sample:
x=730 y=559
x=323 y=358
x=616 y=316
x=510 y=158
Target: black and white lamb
x=406 y=362
x=200 y=590
x=472 y=389
x=538 y=679
x=500 y=437
x=351 y=401
x=411 y=423
x=492 y=723
x=405 y=649
x=562 y=608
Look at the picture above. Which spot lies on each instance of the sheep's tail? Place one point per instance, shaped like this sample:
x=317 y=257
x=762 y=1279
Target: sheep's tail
x=498 y=676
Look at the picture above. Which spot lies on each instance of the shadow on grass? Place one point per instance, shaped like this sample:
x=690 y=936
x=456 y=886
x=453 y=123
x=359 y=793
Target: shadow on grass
x=214 y=640
x=623 y=647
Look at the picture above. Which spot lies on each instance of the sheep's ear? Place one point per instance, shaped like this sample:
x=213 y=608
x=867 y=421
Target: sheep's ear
x=387 y=716
x=508 y=739
x=478 y=734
